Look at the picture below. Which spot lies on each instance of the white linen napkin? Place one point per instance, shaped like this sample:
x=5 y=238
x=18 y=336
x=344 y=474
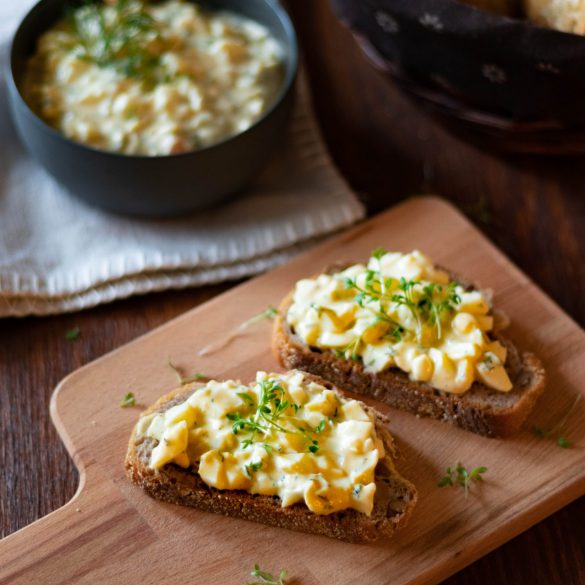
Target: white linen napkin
x=57 y=254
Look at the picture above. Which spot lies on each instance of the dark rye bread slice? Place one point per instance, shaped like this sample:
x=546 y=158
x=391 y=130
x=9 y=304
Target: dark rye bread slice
x=480 y=410
x=393 y=504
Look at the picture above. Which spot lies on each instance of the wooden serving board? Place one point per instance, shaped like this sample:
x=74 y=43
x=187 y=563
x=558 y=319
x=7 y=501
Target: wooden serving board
x=111 y=532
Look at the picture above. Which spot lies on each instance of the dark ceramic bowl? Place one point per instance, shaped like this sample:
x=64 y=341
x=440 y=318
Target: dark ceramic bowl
x=505 y=81
x=154 y=185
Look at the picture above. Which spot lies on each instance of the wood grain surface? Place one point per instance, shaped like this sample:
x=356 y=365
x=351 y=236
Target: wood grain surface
x=112 y=532
x=532 y=208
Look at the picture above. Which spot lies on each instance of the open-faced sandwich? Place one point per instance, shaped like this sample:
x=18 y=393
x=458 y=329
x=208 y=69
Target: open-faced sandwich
x=411 y=335
x=288 y=450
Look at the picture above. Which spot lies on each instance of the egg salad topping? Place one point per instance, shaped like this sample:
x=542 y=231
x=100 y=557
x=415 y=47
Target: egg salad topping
x=153 y=78
x=400 y=311
x=283 y=436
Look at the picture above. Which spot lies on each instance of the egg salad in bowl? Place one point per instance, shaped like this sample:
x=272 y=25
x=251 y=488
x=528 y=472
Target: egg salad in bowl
x=153 y=78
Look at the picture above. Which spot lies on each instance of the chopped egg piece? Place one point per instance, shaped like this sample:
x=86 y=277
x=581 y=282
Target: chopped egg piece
x=189 y=78
x=283 y=436
x=401 y=311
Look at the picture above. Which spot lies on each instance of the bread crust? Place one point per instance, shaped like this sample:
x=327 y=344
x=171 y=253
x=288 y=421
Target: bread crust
x=480 y=410
x=393 y=504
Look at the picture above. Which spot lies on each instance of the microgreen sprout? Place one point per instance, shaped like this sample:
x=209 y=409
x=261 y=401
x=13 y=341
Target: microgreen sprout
x=405 y=298
x=555 y=432
x=437 y=300
x=270 y=415
x=183 y=379
x=425 y=303
x=269 y=313
x=73 y=334
x=247 y=398
x=459 y=475
x=128 y=400
x=378 y=253
x=252 y=467
x=353 y=349
x=266 y=578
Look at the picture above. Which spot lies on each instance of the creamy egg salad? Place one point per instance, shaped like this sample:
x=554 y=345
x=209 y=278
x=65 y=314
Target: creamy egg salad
x=400 y=311
x=153 y=79
x=283 y=436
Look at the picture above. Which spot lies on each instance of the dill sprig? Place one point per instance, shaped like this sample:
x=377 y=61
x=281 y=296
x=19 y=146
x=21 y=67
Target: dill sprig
x=555 y=431
x=117 y=36
x=266 y=578
x=459 y=475
x=268 y=416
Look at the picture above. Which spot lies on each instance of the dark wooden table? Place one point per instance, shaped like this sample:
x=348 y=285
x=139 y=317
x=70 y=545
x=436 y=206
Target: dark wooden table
x=532 y=208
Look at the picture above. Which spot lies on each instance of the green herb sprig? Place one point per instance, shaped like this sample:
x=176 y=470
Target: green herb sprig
x=253 y=467
x=352 y=349
x=437 y=300
x=459 y=475
x=269 y=313
x=183 y=379
x=128 y=400
x=117 y=36
x=405 y=299
x=434 y=301
x=376 y=288
x=428 y=306
x=266 y=578
x=555 y=432
x=73 y=334
x=268 y=416
x=307 y=432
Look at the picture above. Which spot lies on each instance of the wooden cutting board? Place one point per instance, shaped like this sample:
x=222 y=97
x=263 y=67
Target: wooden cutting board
x=111 y=532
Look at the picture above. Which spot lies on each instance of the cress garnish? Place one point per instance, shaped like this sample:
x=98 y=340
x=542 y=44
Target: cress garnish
x=459 y=475
x=128 y=400
x=555 y=432
x=430 y=303
x=270 y=415
x=266 y=578
x=185 y=379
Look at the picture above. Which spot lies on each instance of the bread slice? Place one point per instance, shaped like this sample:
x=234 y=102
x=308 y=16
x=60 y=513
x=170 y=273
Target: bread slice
x=481 y=410
x=393 y=504
x=564 y=15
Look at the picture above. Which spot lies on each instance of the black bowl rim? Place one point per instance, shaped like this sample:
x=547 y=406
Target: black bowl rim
x=286 y=86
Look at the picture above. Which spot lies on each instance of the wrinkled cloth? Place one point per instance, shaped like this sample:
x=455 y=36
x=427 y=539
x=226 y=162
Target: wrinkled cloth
x=57 y=254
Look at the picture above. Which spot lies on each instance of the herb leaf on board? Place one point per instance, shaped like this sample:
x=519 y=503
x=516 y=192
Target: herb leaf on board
x=555 y=432
x=266 y=578
x=196 y=377
x=459 y=475
x=128 y=400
